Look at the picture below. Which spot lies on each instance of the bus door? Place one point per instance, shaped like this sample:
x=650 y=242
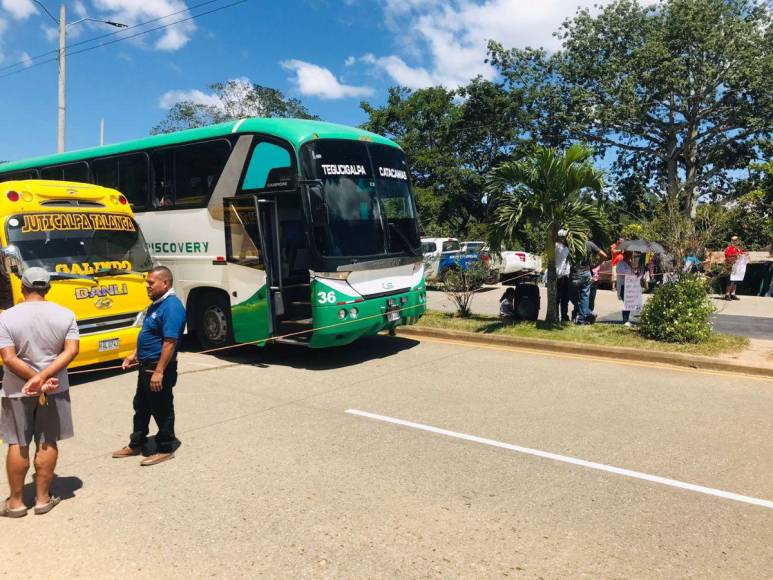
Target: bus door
x=268 y=230
x=251 y=242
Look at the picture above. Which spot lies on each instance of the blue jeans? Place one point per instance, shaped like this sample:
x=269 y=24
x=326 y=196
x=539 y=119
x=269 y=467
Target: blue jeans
x=582 y=283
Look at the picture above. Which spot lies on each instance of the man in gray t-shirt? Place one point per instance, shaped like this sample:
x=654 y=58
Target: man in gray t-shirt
x=38 y=339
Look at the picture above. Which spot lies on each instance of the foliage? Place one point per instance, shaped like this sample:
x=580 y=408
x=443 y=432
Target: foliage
x=598 y=334
x=632 y=232
x=451 y=139
x=680 y=90
x=546 y=190
x=750 y=217
x=236 y=99
x=680 y=234
x=461 y=285
x=678 y=312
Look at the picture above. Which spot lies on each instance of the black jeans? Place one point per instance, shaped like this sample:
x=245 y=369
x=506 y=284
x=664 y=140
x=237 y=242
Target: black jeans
x=562 y=296
x=159 y=405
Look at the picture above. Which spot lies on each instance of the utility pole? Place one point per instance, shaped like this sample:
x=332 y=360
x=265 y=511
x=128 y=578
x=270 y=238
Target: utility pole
x=101 y=131
x=62 y=23
x=61 y=106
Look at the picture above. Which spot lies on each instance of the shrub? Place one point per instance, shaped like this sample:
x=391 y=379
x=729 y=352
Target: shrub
x=678 y=312
x=461 y=285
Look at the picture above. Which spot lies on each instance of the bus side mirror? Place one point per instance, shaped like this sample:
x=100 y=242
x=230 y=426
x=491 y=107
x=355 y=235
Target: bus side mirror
x=10 y=261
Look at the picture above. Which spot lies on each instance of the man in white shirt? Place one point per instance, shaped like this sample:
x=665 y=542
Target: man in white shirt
x=562 y=275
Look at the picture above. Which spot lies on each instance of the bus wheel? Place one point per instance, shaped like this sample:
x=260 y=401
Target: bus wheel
x=213 y=324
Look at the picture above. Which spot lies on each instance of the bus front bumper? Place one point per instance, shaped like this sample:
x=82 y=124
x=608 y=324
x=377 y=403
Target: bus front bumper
x=106 y=346
x=332 y=328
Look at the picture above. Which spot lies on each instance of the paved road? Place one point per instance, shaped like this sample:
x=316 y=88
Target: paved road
x=276 y=479
x=751 y=316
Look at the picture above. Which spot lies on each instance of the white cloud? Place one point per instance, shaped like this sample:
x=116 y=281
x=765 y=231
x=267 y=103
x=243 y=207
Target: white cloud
x=132 y=12
x=449 y=36
x=25 y=59
x=80 y=9
x=19 y=9
x=316 y=81
x=171 y=98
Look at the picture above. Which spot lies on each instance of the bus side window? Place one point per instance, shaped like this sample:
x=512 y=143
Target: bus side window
x=128 y=174
x=266 y=165
x=19 y=175
x=71 y=172
x=163 y=191
x=197 y=169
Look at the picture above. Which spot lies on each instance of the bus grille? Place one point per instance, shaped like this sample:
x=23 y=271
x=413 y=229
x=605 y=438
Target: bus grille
x=106 y=323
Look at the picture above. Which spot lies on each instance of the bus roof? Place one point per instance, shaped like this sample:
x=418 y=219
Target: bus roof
x=296 y=131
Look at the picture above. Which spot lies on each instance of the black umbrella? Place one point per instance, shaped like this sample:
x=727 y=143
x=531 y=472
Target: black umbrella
x=642 y=246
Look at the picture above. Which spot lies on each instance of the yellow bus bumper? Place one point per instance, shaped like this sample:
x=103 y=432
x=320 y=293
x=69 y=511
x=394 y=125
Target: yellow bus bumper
x=91 y=354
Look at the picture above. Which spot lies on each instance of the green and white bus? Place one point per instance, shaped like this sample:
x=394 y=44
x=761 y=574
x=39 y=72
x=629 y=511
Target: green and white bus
x=301 y=231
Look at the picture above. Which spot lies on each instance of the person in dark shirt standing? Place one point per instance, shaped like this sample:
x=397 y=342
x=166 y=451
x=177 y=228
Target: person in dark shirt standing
x=582 y=278
x=156 y=354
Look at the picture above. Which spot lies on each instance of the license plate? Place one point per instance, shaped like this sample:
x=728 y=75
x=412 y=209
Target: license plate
x=109 y=344
x=393 y=315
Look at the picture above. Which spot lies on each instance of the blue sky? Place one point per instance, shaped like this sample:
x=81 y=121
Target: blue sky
x=330 y=54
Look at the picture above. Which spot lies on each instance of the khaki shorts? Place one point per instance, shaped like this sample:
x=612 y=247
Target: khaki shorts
x=24 y=419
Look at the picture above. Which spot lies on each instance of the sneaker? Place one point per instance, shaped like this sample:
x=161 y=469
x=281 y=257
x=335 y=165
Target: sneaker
x=734 y=297
x=727 y=297
x=627 y=324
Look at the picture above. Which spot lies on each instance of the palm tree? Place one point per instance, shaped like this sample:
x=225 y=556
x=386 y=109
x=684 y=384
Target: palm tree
x=546 y=190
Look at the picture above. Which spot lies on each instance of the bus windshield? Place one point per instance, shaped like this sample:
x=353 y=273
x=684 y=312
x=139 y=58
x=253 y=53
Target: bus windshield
x=365 y=207
x=79 y=243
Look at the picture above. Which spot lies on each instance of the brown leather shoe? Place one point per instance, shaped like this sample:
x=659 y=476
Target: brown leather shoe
x=126 y=452
x=156 y=458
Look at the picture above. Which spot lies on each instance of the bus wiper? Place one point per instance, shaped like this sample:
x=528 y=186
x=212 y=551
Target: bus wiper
x=411 y=250
x=66 y=276
x=116 y=271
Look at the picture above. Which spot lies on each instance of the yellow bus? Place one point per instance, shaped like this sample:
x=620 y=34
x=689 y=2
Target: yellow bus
x=87 y=238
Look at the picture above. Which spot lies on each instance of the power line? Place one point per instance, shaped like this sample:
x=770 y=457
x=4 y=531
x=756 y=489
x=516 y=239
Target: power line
x=23 y=63
x=131 y=36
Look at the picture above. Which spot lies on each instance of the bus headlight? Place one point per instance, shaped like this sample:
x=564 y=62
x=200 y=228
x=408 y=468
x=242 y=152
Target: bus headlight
x=403 y=299
x=140 y=319
x=354 y=312
x=342 y=314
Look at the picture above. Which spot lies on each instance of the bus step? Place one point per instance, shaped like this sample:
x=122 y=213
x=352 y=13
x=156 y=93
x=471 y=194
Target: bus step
x=293 y=322
x=303 y=341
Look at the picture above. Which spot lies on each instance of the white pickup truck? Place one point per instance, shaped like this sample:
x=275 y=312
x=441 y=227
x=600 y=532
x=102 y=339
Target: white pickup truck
x=512 y=264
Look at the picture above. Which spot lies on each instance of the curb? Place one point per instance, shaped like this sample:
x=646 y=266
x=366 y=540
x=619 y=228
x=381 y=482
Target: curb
x=610 y=352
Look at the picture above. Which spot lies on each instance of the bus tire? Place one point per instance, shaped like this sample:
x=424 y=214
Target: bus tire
x=212 y=320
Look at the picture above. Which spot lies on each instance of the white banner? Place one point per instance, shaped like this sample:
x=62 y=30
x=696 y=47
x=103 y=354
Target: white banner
x=632 y=299
x=739 y=268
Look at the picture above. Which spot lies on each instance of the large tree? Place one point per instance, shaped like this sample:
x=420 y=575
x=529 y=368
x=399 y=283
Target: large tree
x=452 y=138
x=233 y=99
x=548 y=190
x=681 y=90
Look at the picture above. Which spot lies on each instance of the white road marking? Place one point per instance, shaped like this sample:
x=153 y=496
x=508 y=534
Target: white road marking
x=567 y=459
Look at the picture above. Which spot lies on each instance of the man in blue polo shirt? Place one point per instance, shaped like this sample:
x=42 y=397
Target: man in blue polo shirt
x=157 y=357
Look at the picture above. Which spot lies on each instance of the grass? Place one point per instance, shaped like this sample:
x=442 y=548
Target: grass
x=600 y=334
